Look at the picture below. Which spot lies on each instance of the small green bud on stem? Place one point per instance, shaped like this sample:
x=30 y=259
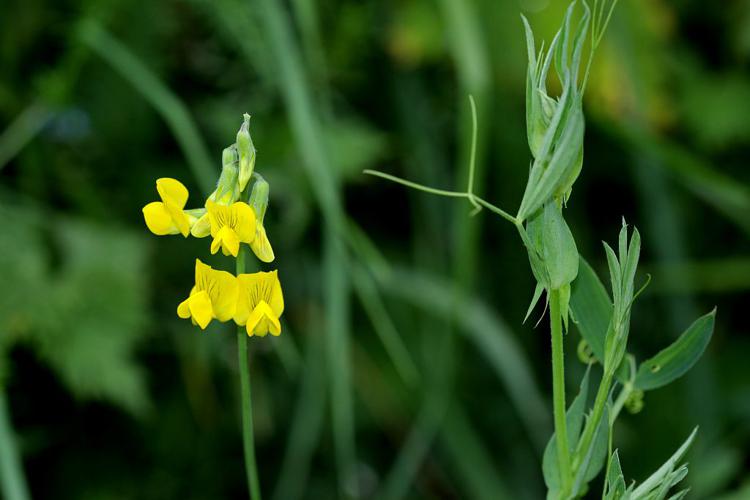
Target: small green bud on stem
x=246 y=151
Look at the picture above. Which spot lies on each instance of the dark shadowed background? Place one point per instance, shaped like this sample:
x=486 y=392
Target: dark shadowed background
x=445 y=391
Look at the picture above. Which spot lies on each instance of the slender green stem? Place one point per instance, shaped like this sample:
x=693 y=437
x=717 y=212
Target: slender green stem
x=12 y=482
x=626 y=391
x=558 y=391
x=593 y=423
x=443 y=192
x=248 y=438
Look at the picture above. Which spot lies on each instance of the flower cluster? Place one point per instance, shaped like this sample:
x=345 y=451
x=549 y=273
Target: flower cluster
x=231 y=217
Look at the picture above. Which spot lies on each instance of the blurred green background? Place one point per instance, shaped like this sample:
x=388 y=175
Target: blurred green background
x=404 y=370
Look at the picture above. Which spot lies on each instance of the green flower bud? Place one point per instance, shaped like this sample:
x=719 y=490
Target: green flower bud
x=260 y=246
x=554 y=127
x=585 y=352
x=634 y=404
x=259 y=197
x=227 y=189
x=246 y=151
x=554 y=255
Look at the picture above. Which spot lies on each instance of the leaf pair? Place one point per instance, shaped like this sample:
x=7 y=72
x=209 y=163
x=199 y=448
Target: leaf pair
x=592 y=312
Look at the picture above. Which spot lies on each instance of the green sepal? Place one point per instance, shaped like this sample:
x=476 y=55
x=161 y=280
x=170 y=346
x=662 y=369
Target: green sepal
x=559 y=249
x=246 y=151
x=537 y=295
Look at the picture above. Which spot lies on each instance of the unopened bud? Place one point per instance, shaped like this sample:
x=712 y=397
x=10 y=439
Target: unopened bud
x=634 y=403
x=227 y=189
x=246 y=151
x=259 y=197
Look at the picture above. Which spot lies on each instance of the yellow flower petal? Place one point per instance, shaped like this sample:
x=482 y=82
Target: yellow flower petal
x=183 y=310
x=201 y=309
x=238 y=217
x=158 y=219
x=222 y=288
x=174 y=197
x=202 y=227
x=245 y=221
x=260 y=303
x=262 y=320
x=261 y=246
x=172 y=191
x=224 y=295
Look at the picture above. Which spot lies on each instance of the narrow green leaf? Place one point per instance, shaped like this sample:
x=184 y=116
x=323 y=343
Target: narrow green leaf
x=591 y=308
x=596 y=454
x=675 y=360
x=615 y=479
x=665 y=470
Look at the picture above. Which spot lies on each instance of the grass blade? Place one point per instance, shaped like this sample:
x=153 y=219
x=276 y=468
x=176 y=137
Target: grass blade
x=166 y=103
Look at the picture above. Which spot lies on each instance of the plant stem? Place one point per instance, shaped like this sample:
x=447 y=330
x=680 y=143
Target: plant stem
x=592 y=424
x=12 y=482
x=558 y=391
x=248 y=439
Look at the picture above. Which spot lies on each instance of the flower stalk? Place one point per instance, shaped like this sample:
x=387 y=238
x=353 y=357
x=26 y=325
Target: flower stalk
x=233 y=216
x=558 y=391
x=248 y=436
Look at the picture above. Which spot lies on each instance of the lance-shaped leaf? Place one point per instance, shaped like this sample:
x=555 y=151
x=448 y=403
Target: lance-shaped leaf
x=678 y=358
x=666 y=474
x=591 y=308
x=616 y=488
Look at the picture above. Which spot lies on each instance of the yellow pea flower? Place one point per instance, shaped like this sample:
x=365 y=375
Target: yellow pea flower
x=214 y=296
x=230 y=226
x=260 y=303
x=259 y=201
x=168 y=216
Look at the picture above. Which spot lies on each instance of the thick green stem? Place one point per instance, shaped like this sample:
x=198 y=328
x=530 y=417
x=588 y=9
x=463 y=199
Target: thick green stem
x=12 y=482
x=558 y=391
x=248 y=439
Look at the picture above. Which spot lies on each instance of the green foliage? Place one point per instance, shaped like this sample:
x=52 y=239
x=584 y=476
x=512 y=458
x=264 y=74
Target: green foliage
x=86 y=131
x=679 y=357
x=591 y=308
x=79 y=300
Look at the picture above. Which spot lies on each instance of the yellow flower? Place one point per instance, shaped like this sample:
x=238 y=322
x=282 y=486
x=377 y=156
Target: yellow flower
x=259 y=201
x=167 y=216
x=230 y=226
x=260 y=303
x=261 y=246
x=214 y=296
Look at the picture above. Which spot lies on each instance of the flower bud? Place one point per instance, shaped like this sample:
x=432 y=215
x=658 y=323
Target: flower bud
x=246 y=151
x=261 y=246
x=634 y=403
x=227 y=189
x=259 y=197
